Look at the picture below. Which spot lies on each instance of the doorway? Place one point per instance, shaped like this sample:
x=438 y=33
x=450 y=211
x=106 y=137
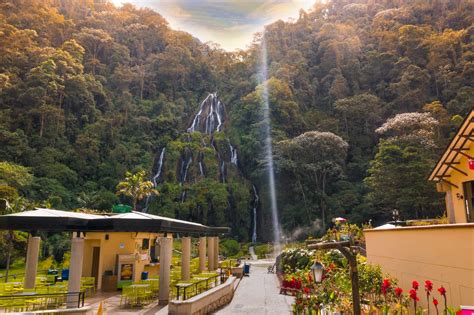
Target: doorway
x=95 y=263
x=469 y=200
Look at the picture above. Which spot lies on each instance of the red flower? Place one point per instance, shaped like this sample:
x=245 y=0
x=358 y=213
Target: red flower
x=306 y=290
x=428 y=286
x=398 y=291
x=413 y=295
x=298 y=284
x=442 y=291
x=435 y=302
x=310 y=278
x=385 y=286
x=415 y=285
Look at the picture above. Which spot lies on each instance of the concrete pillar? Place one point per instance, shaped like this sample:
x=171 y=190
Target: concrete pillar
x=75 y=270
x=31 y=262
x=202 y=254
x=210 y=253
x=166 y=247
x=185 y=258
x=216 y=252
x=450 y=207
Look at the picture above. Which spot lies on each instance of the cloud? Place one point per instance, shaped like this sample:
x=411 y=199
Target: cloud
x=231 y=23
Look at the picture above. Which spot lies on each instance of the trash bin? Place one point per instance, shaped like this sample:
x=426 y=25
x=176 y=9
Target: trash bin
x=246 y=270
x=144 y=275
x=65 y=274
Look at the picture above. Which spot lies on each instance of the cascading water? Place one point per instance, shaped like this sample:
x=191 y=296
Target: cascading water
x=156 y=177
x=201 y=167
x=256 y=199
x=210 y=111
x=233 y=154
x=269 y=149
x=160 y=167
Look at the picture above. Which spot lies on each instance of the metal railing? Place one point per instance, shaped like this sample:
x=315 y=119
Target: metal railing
x=31 y=301
x=195 y=285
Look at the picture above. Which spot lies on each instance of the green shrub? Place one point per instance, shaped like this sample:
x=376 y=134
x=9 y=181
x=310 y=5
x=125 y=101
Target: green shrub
x=229 y=247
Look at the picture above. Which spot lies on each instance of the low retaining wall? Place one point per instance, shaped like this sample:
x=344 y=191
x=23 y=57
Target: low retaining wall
x=205 y=302
x=238 y=272
x=441 y=253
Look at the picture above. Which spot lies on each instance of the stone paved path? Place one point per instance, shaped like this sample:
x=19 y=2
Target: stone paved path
x=258 y=294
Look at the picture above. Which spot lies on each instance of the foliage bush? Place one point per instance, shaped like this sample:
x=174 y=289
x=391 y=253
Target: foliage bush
x=263 y=249
x=229 y=247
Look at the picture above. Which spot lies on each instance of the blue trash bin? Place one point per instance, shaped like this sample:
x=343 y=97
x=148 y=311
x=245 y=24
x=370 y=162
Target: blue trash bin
x=65 y=274
x=246 y=269
x=144 y=275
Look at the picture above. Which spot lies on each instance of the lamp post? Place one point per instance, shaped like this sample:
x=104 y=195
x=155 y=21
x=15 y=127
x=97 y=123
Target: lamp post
x=345 y=248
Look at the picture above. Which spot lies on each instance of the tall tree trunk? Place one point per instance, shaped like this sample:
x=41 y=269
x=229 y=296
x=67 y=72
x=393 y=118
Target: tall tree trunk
x=304 y=201
x=135 y=201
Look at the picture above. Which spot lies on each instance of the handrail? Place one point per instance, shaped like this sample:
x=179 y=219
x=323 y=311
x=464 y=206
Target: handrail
x=196 y=284
x=33 y=295
x=39 y=272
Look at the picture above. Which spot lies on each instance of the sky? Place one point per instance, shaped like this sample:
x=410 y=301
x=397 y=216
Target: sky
x=230 y=23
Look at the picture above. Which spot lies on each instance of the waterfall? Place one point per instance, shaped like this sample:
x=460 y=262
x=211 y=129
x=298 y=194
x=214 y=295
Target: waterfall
x=196 y=119
x=210 y=111
x=201 y=170
x=223 y=171
x=160 y=167
x=155 y=178
x=269 y=149
x=233 y=153
x=186 y=168
x=256 y=198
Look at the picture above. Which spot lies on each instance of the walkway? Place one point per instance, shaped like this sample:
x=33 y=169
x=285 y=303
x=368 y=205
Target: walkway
x=258 y=294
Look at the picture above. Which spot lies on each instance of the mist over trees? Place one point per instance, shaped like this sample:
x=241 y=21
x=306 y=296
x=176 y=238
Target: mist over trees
x=89 y=91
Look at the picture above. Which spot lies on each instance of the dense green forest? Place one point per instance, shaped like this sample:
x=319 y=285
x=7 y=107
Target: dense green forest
x=364 y=96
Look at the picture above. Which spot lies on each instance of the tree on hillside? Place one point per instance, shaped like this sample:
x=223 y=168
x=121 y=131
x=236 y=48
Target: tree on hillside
x=313 y=160
x=397 y=175
x=136 y=187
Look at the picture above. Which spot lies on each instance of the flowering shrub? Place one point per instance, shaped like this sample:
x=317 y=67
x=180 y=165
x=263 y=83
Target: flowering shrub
x=379 y=293
x=295 y=259
x=334 y=292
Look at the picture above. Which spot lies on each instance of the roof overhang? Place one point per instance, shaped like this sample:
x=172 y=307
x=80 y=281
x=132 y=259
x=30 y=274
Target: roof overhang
x=62 y=221
x=457 y=148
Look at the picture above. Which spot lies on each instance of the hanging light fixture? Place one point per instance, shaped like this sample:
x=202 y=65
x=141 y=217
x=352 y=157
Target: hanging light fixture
x=317 y=270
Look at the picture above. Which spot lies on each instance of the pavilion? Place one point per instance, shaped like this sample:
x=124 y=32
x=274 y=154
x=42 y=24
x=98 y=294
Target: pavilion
x=99 y=240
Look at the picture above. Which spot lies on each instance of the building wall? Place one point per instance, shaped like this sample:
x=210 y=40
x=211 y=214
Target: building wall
x=458 y=215
x=443 y=254
x=117 y=243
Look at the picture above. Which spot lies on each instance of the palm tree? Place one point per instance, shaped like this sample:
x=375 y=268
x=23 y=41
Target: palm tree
x=136 y=186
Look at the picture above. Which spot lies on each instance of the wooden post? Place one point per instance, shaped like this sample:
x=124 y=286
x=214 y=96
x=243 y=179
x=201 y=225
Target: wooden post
x=345 y=248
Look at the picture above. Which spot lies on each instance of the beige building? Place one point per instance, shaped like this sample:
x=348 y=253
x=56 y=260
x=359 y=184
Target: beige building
x=441 y=253
x=454 y=176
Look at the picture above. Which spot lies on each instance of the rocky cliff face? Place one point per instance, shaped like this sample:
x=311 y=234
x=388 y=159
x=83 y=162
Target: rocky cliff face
x=199 y=179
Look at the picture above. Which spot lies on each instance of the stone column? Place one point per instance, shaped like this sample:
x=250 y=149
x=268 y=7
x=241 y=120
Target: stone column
x=210 y=254
x=185 y=258
x=75 y=270
x=166 y=248
x=31 y=268
x=202 y=253
x=216 y=252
